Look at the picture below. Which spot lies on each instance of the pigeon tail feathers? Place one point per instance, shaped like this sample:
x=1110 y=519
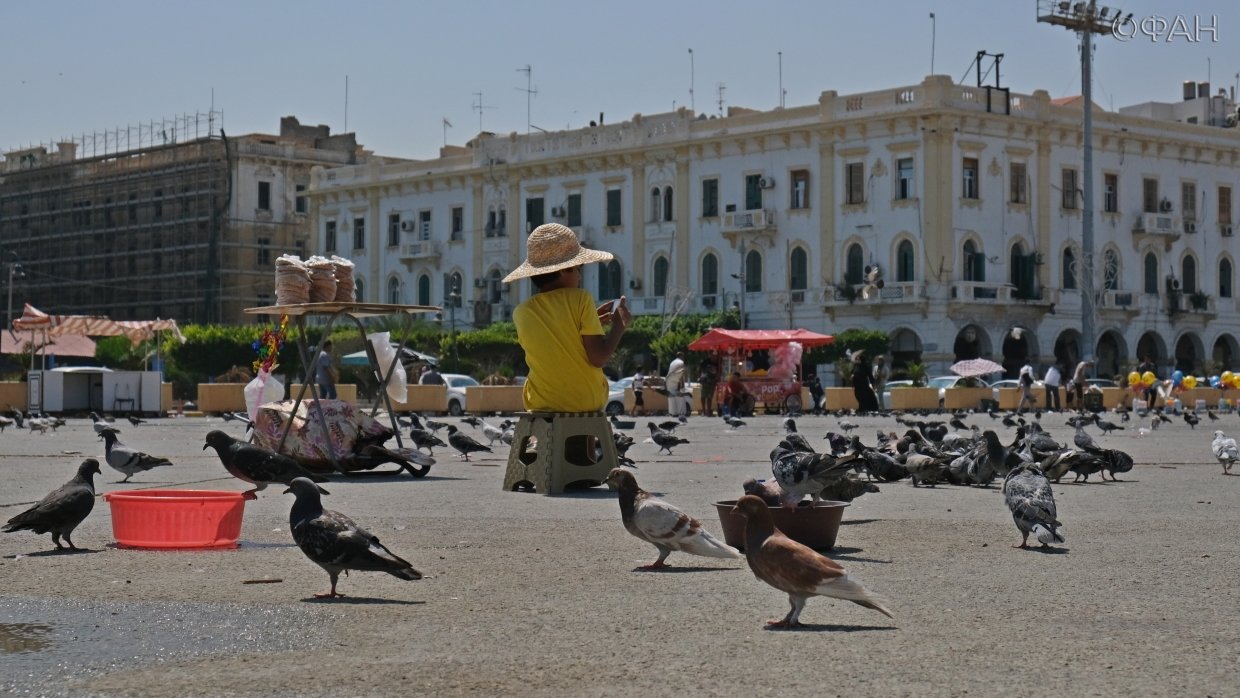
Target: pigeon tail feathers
x=848 y=589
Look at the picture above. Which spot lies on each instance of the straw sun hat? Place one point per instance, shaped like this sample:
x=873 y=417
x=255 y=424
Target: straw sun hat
x=552 y=247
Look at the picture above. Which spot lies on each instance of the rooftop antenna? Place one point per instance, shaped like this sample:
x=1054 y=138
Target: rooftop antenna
x=692 y=104
x=933 y=26
x=346 y=104
x=781 y=80
x=529 y=91
x=478 y=106
x=446 y=125
x=719 y=88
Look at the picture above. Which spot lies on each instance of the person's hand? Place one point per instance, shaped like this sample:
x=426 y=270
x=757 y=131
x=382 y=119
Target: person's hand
x=619 y=316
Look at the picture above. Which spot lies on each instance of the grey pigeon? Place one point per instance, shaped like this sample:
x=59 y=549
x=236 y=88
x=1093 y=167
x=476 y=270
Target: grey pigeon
x=662 y=525
x=63 y=509
x=332 y=541
x=1032 y=503
x=134 y=420
x=1084 y=441
x=795 y=569
x=795 y=438
x=767 y=490
x=1225 y=451
x=798 y=473
x=124 y=459
x=425 y=438
x=464 y=445
x=664 y=440
x=99 y=423
x=255 y=465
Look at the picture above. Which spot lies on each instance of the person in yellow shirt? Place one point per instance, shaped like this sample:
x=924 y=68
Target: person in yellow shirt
x=560 y=328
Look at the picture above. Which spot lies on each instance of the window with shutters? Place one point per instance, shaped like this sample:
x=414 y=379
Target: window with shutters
x=854 y=183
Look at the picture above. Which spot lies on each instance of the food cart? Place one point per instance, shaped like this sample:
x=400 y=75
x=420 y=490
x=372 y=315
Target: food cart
x=777 y=386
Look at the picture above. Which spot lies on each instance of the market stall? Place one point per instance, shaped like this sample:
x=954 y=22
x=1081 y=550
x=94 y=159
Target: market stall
x=769 y=362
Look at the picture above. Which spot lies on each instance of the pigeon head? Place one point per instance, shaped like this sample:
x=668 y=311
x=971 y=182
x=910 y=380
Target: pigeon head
x=620 y=479
x=752 y=507
x=218 y=439
x=1218 y=434
x=108 y=433
x=751 y=486
x=304 y=487
x=88 y=467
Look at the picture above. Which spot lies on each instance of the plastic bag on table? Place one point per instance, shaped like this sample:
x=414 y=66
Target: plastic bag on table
x=397 y=388
x=263 y=389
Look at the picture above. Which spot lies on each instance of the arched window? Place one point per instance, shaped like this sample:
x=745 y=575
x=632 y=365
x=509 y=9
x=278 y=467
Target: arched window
x=710 y=275
x=1224 y=278
x=394 y=291
x=667 y=203
x=905 y=261
x=656 y=201
x=457 y=285
x=502 y=224
x=753 y=272
x=974 y=263
x=359 y=289
x=1151 y=273
x=1015 y=257
x=1068 y=268
x=1188 y=274
x=424 y=289
x=1110 y=270
x=854 y=264
x=660 y=276
x=610 y=277
x=798 y=270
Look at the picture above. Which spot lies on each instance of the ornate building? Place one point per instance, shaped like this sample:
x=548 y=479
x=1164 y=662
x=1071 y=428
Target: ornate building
x=966 y=199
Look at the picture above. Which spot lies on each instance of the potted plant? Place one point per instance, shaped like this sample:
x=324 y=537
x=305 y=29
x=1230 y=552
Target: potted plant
x=917 y=373
x=1199 y=300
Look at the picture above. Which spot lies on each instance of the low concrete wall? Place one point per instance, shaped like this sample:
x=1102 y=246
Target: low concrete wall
x=653 y=402
x=914 y=398
x=494 y=398
x=165 y=398
x=966 y=398
x=230 y=397
x=423 y=398
x=840 y=399
x=13 y=393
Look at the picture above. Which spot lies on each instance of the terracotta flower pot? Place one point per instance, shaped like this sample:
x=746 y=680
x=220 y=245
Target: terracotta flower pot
x=815 y=526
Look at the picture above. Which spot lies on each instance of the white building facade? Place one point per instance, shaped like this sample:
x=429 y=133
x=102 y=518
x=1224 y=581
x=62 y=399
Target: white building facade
x=967 y=199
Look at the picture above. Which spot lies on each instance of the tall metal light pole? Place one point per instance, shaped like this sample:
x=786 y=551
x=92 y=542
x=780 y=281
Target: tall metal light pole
x=1086 y=19
x=15 y=272
x=453 y=298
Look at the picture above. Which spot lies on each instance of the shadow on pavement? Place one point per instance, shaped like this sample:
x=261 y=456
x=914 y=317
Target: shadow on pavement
x=363 y=600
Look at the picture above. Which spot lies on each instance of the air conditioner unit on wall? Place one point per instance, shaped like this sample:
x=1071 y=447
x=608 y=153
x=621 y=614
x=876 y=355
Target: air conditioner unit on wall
x=1190 y=227
x=635 y=283
x=480 y=283
x=1165 y=206
x=766 y=183
x=1225 y=230
x=407 y=226
x=558 y=212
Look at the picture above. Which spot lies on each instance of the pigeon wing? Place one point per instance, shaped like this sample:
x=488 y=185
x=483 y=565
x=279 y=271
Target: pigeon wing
x=662 y=524
x=797 y=570
x=62 y=509
x=1029 y=497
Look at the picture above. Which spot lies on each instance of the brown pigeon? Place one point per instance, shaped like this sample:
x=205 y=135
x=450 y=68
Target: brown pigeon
x=63 y=509
x=663 y=525
x=794 y=568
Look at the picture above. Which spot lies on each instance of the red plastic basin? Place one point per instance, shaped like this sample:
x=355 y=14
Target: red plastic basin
x=176 y=519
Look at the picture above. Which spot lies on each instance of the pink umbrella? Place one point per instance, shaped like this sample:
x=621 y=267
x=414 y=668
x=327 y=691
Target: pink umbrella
x=975 y=368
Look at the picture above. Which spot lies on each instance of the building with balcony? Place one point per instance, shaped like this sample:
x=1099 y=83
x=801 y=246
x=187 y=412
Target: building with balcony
x=171 y=220
x=967 y=199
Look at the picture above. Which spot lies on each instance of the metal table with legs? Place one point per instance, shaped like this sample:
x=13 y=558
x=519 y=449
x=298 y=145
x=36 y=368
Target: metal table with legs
x=334 y=312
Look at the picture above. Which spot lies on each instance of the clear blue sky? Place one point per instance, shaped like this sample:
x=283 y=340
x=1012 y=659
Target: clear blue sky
x=69 y=67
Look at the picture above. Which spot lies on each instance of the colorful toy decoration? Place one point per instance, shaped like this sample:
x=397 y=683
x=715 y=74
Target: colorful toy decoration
x=268 y=346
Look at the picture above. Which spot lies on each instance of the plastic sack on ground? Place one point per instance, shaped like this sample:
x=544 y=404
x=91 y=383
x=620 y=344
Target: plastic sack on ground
x=397 y=388
x=263 y=389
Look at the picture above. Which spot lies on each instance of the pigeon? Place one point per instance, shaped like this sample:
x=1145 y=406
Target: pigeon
x=670 y=425
x=957 y=423
x=332 y=541
x=795 y=569
x=662 y=525
x=5 y=422
x=474 y=422
x=766 y=490
x=1225 y=451
x=63 y=509
x=734 y=422
x=1084 y=441
x=1191 y=419
x=464 y=445
x=794 y=438
x=664 y=440
x=134 y=420
x=436 y=426
x=799 y=473
x=847 y=426
x=124 y=459
x=255 y=465
x=493 y=433
x=1210 y=413
x=1107 y=427
x=98 y=422
x=1032 y=503
x=424 y=438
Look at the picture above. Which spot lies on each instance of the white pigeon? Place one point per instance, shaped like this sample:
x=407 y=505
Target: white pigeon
x=492 y=432
x=662 y=525
x=1225 y=451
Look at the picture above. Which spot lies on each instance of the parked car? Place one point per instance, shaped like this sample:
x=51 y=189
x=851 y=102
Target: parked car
x=893 y=384
x=615 y=397
x=945 y=382
x=1102 y=382
x=457 y=383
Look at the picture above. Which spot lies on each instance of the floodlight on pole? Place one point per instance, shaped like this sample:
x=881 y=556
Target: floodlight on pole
x=1086 y=19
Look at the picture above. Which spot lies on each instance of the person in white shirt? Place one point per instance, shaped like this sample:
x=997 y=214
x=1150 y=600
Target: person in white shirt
x=1026 y=389
x=677 y=405
x=1052 y=381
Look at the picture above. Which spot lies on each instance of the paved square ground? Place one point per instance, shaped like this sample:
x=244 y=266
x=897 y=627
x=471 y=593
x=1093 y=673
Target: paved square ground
x=534 y=595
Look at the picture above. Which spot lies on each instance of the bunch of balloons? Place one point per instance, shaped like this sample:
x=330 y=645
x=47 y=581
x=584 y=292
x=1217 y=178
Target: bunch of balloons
x=268 y=346
x=1140 y=381
x=1226 y=380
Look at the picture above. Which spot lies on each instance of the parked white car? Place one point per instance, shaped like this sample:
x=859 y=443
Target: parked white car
x=457 y=383
x=945 y=382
